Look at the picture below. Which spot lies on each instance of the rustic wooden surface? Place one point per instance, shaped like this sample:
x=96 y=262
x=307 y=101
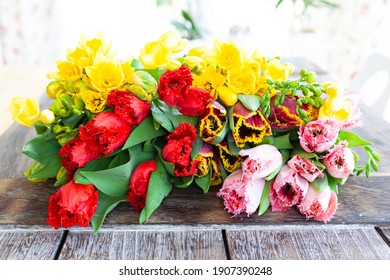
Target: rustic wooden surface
x=180 y=229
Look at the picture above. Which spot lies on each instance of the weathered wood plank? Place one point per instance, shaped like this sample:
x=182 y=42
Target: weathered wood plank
x=29 y=245
x=385 y=231
x=307 y=244
x=144 y=245
x=361 y=201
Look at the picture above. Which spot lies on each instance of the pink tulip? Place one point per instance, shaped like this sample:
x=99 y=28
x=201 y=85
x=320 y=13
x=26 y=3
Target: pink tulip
x=305 y=168
x=319 y=136
x=320 y=205
x=261 y=161
x=241 y=194
x=287 y=189
x=340 y=161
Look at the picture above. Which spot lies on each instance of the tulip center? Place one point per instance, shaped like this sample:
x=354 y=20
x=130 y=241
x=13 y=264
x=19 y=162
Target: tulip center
x=289 y=192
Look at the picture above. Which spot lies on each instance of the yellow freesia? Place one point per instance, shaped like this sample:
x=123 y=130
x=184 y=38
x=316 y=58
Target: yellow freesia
x=172 y=41
x=67 y=71
x=197 y=51
x=155 y=55
x=210 y=80
x=106 y=73
x=24 y=111
x=86 y=51
x=241 y=81
x=194 y=62
x=94 y=101
x=277 y=71
x=228 y=56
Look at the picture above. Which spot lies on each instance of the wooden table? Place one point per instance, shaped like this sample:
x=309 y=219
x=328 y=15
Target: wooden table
x=193 y=225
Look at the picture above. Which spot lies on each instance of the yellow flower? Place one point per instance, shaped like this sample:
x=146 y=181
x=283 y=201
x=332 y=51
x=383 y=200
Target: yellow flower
x=227 y=96
x=86 y=51
x=106 y=73
x=241 y=81
x=172 y=41
x=277 y=71
x=144 y=86
x=194 y=62
x=227 y=54
x=128 y=71
x=155 y=55
x=259 y=59
x=209 y=80
x=47 y=116
x=24 y=111
x=67 y=71
x=94 y=101
x=197 y=51
x=336 y=108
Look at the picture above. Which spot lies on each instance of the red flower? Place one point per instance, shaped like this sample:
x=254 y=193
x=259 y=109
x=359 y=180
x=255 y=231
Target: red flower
x=73 y=204
x=128 y=106
x=174 y=85
x=139 y=182
x=77 y=153
x=108 y=129
x=178 y=150
x=101 y=136
x=194 y=102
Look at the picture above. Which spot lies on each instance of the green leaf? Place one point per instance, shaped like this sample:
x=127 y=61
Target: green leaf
x=285 y=156
x=332 y=182
x=41 y=149
x=251 y=102
x=182 y=182
x=61 y=181
x=205 y=181
x=234 y=150
x=106 y=204
x=172 y=114
x=72 y=120
x=115 y=181
x=155 y=73
x=320 y=183
x=119 y=159
x=159 y=187
x=264 y=201
x=230 y=118
x=303 y=154
x=49 y=170
x=282 y=142
x=143 y=132
x=160 y=117
x=196 y=146
x=353 y=139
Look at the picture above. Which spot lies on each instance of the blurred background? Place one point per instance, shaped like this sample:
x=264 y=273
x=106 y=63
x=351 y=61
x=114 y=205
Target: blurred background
x=337 y=35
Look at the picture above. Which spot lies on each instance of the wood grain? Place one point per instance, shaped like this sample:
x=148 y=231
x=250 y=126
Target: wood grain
x=327 y=243
x=29 y=245
x=144 y=245
x=361 y=201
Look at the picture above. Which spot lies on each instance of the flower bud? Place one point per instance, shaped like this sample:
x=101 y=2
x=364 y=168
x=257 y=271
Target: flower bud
x=144 y=86
x=311 y=77
x=47 y=116
x=34 y=168
x=55 y=88
x=227 y=96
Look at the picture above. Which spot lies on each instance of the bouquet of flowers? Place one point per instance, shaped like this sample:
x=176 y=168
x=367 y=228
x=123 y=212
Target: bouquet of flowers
x=213 y=117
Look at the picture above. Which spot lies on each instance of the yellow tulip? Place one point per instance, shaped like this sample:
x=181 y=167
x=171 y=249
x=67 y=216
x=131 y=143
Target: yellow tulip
x=227 y=96
x=94 y=101
x=172 y=41
x=106 y=73
x=34 y=168
x=47 y=116
x=128 y=71
x=24 y=111
x=155 y=55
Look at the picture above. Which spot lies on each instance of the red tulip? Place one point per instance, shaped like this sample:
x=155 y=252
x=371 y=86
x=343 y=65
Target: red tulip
x=73 y=204
x=194 y=102
x=128 y=106
x=178 y=150
x=139 y=182
x=174 y=85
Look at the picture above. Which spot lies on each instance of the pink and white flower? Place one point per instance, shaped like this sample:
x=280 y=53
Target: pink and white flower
x=241 y=194
x=261 y=161
x=319 y=136
x=340 y=161
x=305 y=168
x=320 y=205
x=287 y=189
